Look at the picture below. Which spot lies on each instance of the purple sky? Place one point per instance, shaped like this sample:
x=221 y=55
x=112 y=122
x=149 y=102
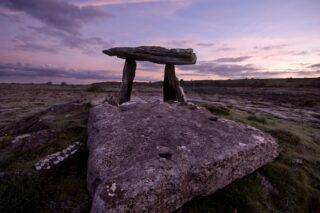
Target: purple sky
x=62 y=40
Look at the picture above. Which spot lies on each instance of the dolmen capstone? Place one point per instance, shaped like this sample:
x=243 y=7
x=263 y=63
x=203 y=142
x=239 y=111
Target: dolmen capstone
x=156 y=156
x=170 y=57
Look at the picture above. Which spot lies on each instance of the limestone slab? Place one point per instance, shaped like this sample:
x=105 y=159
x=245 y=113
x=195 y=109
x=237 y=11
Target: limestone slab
x=155 y=157
x=155 y=54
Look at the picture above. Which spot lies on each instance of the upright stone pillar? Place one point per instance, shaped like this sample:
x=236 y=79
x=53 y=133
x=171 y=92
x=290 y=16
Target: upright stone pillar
x=129 y=71
x=169 y=83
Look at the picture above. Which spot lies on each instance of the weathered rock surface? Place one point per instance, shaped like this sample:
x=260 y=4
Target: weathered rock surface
x=154 y=157
x=154 y=54
x=58 y=157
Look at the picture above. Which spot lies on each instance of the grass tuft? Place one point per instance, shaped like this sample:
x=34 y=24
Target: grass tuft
x=257 y=119
x=216 y=109
x=285 y=136
x=292 y=185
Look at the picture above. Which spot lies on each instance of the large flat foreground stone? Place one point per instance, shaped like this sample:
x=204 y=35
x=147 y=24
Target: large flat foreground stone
x=154 y=157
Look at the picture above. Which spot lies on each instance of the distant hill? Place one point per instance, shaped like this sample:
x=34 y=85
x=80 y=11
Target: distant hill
x=280 y=83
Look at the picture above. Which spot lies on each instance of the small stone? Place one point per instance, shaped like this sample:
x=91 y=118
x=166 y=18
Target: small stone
x=266 y=185
x=112 y=100
x=297 y=161
x=192 y=106
x=111 y=194
x=213 y=118
x=164 y=152
x=128 y=105
x=183 y=148
x=18 y=138
x=113 y=187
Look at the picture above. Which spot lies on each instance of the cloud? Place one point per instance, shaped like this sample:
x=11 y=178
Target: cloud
x=290 y=53
x=186 y=43
x=73 y=41
x=235 y=71
x=56 y=40
x=178 y=43
x=271 y=47
x=148 y=66
x=225 y=49
x=223 y=70
x=300 y=53
x=32 y=47
x=31 y=72
x=113 y=2
x=205 y=44
x=315 y=66
x=27 y=70
x=57 y=13
x=234 y=59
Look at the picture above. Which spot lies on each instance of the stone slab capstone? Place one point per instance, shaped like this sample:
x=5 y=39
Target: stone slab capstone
x=155 y=54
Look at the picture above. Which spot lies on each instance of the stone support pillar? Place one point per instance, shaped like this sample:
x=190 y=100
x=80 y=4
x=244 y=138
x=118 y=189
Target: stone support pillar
x=128 y=74
x=169 y=83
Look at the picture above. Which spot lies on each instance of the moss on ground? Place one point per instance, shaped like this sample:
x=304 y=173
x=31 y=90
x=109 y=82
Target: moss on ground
x=22 y=193
x=216 y=109
x=63 y=188
x=257 y=119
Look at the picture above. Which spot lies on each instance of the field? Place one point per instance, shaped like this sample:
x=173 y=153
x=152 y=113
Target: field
x=54 y=116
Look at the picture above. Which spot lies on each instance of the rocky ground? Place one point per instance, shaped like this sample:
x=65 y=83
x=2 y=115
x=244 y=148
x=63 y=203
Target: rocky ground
x=37 y=121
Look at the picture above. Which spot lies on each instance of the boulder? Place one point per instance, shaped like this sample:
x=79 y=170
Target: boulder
x=155 y=54
x=155 y=157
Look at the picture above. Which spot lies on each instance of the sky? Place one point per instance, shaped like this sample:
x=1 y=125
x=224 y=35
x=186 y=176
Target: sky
x=62 y=40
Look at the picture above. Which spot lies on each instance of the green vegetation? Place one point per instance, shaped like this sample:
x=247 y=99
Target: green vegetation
x=63 y=188
x=256 y=119
x=298 y=186
x=216 y=109
x=22 y=193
